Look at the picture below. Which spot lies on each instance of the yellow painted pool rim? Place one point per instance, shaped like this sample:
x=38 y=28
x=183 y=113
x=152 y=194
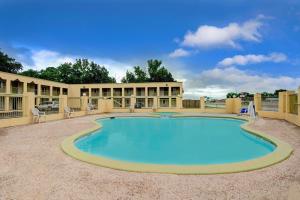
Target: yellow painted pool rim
x=283 y=151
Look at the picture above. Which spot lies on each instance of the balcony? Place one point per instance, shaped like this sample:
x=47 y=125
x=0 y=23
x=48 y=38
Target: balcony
x=95 y=92
x=2 y=89
x=17 y=90
x=140 y=92
x=152 y=92
x=128 y=91
x=117 y=92
x=164 y=91
x=55 y=91
x=106 y=92
x=175 y=91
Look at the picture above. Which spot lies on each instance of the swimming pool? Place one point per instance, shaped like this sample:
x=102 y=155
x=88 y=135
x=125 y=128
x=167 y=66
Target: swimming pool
x=178 y=145
x=179 y=141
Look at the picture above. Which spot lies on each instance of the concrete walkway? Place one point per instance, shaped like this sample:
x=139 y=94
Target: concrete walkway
x=32 y=166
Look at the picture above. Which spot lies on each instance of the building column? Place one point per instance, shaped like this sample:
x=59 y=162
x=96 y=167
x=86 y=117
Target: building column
x=51 y=93
x=257 y=102
x=39 y=93
x=63 y=102
x=8 y=87
x=281 y=103
x=7 y=91
x=202 y=103
x=123 y=98
x=84 y=103
x=24 y=87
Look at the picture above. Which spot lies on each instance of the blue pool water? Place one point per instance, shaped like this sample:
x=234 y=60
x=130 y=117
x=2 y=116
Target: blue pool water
x=178 y=141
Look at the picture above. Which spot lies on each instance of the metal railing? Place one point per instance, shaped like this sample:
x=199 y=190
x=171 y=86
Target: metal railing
x=215 y=104
x=117 y=102
x=2 y=103
x=11 y=106
x=45 y=93
x=17 y=90
x=269 y=104
x=2 y=89
x=47 y=104
x=106 y=94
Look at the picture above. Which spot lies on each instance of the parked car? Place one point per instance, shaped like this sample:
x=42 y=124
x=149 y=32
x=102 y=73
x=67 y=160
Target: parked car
x=48 y=105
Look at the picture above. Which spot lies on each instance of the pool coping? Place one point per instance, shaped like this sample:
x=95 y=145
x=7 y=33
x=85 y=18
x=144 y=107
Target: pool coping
x=283 y=151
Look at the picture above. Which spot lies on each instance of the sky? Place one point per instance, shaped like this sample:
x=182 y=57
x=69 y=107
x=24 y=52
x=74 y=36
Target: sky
x=213 y=47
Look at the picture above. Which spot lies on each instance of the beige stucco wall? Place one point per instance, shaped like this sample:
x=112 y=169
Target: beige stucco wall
x=105 y=104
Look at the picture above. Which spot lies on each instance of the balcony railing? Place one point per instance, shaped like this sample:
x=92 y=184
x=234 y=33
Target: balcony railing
x=164 y=93
x=106 y=94
x=16 y=90
x=14 y=106
x=2 y=89
x=45 y=93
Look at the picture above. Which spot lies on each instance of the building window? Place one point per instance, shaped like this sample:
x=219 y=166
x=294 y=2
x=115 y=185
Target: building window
x=95 y=92
x=117 y=102
x=117 y=92
x=164 y=91
x=175 y=91
x=55 y=91
x=140 y=92
x=152 y=91
x=140 y=102
x=65 y=91
x=173 y=102
x=127 y=102
x=45 y=90
x=106 y=92
x=84 y=92
x=128 y=91
x=150 y=102
x=164 y=102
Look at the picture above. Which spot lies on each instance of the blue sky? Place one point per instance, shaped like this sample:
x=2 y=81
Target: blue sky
x=214 y=47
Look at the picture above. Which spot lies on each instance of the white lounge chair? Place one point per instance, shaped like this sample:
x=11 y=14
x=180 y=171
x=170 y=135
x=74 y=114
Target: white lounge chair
x=68 y=112
x=37 y=115
x=90 y=107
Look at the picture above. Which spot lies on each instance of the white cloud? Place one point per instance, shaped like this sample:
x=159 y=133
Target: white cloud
x=217 y=82
x=46 y=58
x=207 y=36
x=179 y=53
x=252 y=58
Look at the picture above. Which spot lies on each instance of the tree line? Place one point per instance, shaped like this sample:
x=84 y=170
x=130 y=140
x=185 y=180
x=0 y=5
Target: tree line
x=246 y=95
x=85 y=71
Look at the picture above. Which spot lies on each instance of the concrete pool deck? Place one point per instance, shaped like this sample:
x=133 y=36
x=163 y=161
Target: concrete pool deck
x=33 y=166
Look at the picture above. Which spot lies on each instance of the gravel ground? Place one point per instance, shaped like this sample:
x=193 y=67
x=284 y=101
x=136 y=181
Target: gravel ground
x=32 y=166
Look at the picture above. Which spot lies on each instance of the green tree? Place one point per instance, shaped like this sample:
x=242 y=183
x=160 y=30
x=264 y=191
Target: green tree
x=31 y=73
x=82 y=71
x=8 y=64
x=158 y=73
x=276 y=93
x=232 y=95
x=155 y=73
x=50 y=73
x=129 y=77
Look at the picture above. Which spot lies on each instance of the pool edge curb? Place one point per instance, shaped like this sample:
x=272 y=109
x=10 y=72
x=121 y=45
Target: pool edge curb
x=282 y=152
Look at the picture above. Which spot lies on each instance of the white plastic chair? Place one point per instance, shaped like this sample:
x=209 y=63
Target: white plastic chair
x=68 y=112
x=37 y=114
